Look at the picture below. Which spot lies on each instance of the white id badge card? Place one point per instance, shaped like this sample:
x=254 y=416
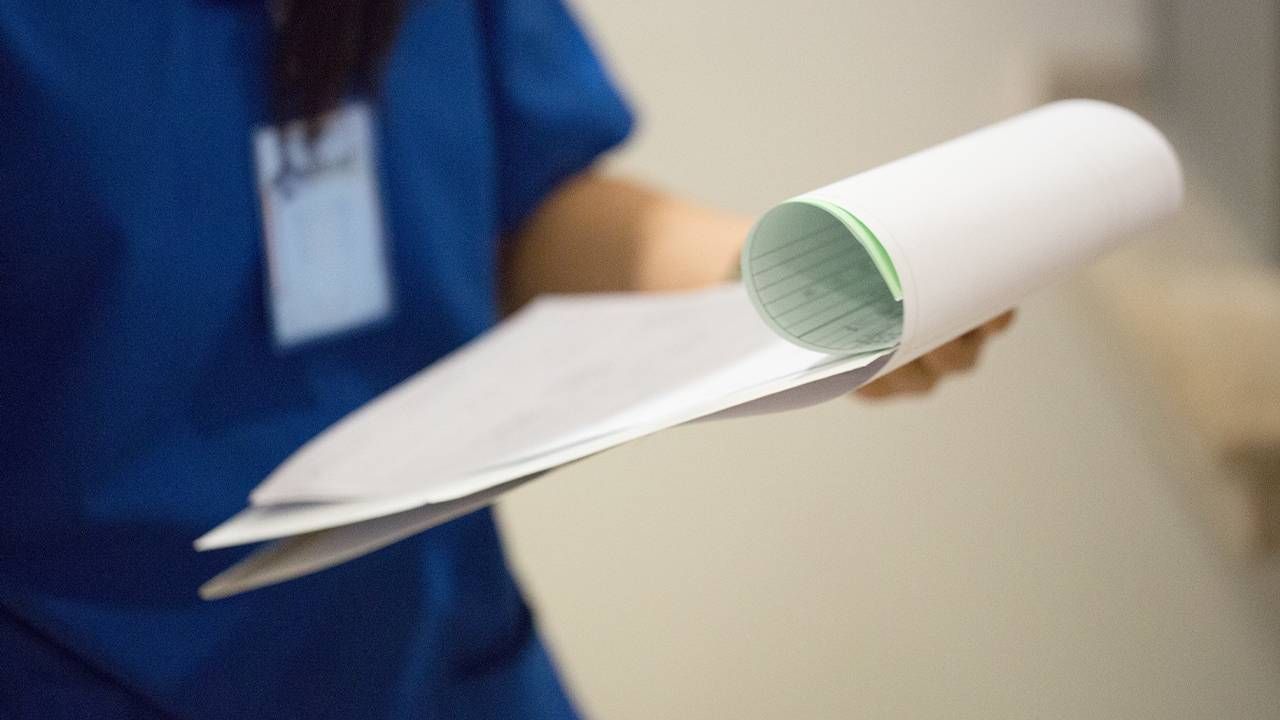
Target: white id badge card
x=326 y=256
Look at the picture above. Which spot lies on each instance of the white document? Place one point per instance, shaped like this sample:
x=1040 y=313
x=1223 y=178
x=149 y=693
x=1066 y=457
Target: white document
x=839 y=286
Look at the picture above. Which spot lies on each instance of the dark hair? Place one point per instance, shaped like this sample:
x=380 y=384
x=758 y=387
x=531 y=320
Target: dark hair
x=327 y=48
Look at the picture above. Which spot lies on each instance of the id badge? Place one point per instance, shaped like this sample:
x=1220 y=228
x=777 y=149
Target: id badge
x=326 y=255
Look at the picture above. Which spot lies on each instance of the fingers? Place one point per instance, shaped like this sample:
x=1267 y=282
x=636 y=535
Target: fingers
x=958 y=356
x=910 y=379
x=996 y=325
x=921 y=375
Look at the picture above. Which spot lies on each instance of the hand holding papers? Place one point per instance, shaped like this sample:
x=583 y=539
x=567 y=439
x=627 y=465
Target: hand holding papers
x=839 y=285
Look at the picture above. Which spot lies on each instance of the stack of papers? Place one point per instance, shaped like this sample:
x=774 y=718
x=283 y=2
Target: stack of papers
x=839 y=285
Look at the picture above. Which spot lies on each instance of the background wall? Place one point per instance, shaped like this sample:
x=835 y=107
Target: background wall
x=1019 y=544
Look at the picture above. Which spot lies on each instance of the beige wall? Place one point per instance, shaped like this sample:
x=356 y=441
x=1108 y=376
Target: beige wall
x=1013 y=546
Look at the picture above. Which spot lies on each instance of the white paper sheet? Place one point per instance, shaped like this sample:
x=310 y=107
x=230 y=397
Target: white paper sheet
x=348 y=457
x=306 y=553
x=563 y=370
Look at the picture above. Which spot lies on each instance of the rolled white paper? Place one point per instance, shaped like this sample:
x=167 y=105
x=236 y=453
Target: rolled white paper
x=969 y=227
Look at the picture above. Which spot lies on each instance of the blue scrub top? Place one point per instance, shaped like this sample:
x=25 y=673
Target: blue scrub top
x=140 y=395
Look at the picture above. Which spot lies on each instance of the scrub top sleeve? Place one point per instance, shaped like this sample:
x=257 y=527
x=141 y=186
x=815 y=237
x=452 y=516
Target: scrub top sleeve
x=556 y=109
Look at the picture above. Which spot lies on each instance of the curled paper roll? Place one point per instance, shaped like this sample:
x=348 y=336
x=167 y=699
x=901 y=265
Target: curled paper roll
x=918 y=251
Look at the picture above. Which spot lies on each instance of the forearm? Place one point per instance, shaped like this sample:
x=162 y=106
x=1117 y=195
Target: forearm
x=599 y=234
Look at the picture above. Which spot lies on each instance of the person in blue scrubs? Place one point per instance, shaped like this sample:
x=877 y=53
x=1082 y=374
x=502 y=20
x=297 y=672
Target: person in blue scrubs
x=142 y=395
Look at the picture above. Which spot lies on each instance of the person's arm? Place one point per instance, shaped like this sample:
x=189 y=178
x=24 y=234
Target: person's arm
x=596 y=233
x=599 y=233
